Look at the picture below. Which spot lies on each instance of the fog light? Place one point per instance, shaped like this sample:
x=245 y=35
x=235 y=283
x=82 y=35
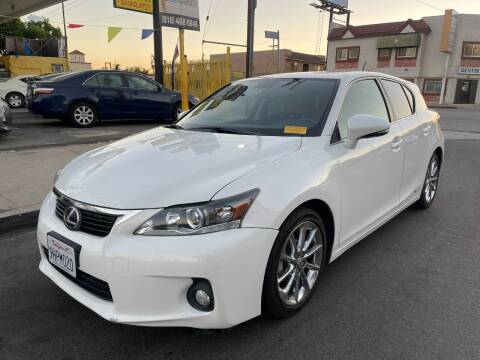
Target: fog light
x=200 y=295
x=202 y=298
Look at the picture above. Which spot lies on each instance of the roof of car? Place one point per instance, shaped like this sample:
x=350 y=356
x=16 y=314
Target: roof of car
x=346 y=75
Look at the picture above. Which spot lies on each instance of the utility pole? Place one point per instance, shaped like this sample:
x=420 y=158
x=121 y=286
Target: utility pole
x=65 y=34
x=278 y=52
x=157 y=42
x=252 y=5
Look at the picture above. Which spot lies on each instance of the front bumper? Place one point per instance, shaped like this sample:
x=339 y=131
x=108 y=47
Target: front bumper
x=149 y=276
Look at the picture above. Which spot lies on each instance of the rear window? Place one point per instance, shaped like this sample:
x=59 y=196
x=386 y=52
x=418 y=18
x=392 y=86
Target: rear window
x=396 y=94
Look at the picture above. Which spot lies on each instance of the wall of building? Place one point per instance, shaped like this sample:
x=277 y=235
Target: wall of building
x=264 y=63
x=430 y=60
x=33 y=65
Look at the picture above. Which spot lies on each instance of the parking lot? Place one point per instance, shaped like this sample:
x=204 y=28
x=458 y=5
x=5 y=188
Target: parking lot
x=411 y=290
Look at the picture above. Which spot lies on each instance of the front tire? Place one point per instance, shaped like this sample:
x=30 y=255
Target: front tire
x=83 y=115
x=15 y=100
x=430 y=185
x=296 y=261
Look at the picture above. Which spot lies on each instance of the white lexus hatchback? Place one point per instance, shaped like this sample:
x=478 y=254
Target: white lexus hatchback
x=237 y=208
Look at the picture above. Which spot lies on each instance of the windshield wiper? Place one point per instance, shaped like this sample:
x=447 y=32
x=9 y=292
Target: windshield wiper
x=174 y=126
x=223 y=130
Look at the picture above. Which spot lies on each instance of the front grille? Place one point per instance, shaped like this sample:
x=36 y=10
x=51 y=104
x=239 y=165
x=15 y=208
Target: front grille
x=88 y=282
x=93 y=223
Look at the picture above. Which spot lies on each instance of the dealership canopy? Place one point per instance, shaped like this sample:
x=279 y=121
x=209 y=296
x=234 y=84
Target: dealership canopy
x=17 y=8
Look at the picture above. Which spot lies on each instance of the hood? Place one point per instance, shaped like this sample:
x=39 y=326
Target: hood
x=164 y=167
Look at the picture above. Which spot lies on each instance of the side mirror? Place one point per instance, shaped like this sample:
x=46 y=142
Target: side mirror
x=361 y=126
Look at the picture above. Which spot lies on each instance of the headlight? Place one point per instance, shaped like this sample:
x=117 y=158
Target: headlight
x=206 y=218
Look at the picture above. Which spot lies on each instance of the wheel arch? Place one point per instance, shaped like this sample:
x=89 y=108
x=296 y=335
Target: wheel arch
x=326 y=213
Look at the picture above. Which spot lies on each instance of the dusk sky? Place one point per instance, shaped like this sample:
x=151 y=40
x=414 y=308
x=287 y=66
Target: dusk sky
x=296 y=20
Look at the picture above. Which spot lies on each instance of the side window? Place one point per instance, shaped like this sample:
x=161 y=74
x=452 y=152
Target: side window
x=410 y=97
x=137 y=82
x=399 y=100
x=106 y=80
x=363 y=97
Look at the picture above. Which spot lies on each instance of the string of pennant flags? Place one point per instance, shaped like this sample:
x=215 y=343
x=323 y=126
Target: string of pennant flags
x=113 y=31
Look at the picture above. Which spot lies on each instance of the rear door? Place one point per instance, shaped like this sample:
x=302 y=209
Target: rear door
x=108 y=91
x=370 y=174
x=148 y=100
x=417 y=130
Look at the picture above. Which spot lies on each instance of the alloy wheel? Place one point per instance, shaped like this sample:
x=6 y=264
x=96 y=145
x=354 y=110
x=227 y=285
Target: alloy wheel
x=15 y=101
x=431 y=181
x=300 y=263
x=84 y=115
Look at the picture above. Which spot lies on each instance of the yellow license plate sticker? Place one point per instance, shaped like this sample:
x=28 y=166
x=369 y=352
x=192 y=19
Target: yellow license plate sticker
x=299 y=130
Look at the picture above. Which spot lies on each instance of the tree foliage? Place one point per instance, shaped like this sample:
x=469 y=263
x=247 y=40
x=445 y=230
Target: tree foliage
x=138 y=69
x=30 y=29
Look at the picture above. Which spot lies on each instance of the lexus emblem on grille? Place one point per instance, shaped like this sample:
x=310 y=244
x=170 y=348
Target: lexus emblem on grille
x=72 y=218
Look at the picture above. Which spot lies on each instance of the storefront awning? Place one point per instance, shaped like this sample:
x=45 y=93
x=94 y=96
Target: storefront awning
x=17 y=8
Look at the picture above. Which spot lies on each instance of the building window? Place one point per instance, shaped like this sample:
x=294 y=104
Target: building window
x=384 y=54
x=407 y=53
x=57 y=68
x=348 y=54
x=471 y=50
x=432 y=86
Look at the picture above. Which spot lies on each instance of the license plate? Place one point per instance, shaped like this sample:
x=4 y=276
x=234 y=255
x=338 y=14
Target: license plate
x=63 y=255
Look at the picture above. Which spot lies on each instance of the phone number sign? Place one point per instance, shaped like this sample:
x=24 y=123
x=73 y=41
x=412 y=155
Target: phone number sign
x=182 y=14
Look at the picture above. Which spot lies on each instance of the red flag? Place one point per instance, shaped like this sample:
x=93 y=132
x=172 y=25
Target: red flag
x=74 y=26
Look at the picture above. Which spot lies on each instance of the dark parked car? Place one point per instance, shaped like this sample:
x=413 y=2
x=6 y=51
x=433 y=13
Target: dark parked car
x=86 y=97
x=5 y=117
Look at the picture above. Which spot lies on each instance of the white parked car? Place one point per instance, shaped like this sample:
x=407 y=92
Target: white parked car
x=236 y=209
x=14 y=90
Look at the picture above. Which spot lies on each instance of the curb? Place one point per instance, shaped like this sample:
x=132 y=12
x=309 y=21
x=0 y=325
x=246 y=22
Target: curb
x=17 y=221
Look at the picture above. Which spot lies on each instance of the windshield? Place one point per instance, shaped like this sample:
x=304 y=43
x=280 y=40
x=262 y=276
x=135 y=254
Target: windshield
x=265 y=106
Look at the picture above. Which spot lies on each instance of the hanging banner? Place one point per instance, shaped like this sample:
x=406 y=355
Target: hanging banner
x=146 y=33
x=75 y=26
x=182 y=14
x=113 y=31
x=144 y=6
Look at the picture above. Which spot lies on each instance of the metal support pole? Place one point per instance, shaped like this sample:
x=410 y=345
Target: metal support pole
x=157 y=42
x=66 y=39
x=278 y=48
x=252 y=5
x=348 y=17
x=228 y=73
x=183 y=71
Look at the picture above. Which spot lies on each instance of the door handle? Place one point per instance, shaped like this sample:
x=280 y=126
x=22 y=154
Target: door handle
x=397 y=144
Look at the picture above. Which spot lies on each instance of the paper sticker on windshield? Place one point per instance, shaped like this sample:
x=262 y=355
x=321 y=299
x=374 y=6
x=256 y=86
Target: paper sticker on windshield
x=299 y=130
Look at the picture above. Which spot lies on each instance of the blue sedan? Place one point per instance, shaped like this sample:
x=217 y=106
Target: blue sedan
x=84 y=98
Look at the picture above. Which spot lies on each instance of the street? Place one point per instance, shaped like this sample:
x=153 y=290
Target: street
x=411 y=290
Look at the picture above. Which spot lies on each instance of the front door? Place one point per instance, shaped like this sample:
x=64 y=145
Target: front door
x=370 y=174
x=148 y=100
x=466 y=91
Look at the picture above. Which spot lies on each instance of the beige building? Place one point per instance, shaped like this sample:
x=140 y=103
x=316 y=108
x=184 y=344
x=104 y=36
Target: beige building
x=441 y=54
x=266 y=62
x=77 y=61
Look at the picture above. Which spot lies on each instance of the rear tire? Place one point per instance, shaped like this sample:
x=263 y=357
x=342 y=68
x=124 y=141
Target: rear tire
x=15 y=100
x=430 y=185
x=83 y=115
x=294 y=265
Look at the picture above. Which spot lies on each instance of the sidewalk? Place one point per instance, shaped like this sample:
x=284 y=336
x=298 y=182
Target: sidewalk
x=27 y=176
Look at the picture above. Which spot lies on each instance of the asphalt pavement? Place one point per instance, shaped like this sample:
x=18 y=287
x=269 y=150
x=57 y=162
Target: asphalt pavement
x=32 y=131
x=411 y=290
